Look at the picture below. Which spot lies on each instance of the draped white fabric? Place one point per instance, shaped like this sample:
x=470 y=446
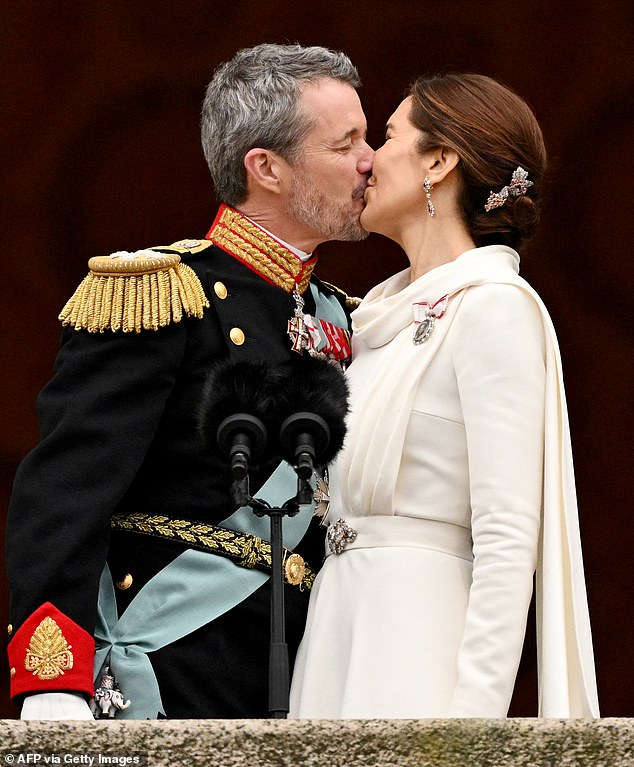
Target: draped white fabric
x=468 y=430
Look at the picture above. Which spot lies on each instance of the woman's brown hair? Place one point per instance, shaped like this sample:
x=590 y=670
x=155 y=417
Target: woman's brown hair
x=493 y=131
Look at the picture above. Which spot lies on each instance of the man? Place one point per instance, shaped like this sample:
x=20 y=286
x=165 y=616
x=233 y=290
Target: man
x=123 y=473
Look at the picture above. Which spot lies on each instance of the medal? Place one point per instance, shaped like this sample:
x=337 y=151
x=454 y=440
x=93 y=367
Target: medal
x=321 y=497
x=425 y=316
x=296 y=327
x=318 y=337
x=108 y=698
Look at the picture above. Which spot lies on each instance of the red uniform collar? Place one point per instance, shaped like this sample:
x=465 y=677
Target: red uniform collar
x=263 y=254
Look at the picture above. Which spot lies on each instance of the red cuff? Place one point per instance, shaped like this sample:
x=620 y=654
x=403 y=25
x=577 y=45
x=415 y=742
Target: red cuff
x=51 y=652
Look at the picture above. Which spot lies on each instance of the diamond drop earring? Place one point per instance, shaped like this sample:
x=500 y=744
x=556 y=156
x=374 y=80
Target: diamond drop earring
x=430 y=205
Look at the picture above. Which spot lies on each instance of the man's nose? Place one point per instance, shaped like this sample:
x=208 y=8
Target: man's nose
x=364 y=164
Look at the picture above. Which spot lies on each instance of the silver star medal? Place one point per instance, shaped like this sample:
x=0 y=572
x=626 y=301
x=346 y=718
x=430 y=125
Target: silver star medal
x=322 y=497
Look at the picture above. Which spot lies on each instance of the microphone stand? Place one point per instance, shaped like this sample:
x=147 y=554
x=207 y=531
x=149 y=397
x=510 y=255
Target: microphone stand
x=301 y=434
x=279 y=667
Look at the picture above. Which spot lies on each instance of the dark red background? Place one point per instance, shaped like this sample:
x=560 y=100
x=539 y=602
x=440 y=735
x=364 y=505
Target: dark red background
x=101 y=152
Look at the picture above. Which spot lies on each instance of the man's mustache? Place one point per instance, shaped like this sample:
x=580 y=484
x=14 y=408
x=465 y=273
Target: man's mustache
x=359 y=192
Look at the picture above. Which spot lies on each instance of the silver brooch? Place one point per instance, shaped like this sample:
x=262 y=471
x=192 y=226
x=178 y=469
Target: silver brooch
x=425 y=316
x=339 y=536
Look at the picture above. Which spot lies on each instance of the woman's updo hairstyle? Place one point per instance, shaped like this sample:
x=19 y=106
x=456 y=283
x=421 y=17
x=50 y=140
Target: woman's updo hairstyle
x=493 y=131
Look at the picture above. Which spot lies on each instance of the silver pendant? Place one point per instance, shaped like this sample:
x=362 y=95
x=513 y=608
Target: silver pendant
x=108 y=698
x=424 y=329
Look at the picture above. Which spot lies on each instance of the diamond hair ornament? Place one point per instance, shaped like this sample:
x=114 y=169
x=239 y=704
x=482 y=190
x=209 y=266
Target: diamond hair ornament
x=518 y=187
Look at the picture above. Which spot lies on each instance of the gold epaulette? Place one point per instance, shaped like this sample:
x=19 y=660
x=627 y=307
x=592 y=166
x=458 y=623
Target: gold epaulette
x=351 y=301
x=144 y=290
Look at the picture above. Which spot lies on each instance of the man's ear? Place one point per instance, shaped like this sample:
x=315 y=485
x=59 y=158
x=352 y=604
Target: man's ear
x=442 y=160
x=264 y=169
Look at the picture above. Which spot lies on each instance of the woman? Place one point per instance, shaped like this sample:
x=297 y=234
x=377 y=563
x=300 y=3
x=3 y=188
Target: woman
x=456 y=481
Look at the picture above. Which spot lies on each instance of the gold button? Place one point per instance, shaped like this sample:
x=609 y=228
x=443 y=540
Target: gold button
x=294 y=569
x=220 y=290
x=9 y=629
x=13 y=672
x=125 y=582
x=237 y=336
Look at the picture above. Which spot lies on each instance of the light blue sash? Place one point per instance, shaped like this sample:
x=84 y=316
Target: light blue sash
x=193 y=590
x=190 y=592
x=328 y=308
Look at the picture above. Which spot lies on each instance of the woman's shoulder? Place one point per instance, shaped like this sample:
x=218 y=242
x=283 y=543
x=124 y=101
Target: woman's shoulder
x=506 y=316
x=501 y=299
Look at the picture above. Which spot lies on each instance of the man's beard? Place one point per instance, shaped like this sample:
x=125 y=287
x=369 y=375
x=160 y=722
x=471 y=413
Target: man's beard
x=330 y=219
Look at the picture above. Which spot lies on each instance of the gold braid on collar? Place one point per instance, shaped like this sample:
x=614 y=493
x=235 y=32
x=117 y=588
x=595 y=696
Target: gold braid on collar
x=241 y=238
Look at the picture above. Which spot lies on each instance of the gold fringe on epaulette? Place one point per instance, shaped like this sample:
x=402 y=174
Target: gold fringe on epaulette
x=118 y=298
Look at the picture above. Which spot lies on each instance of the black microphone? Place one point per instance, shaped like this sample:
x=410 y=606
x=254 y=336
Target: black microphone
x=256 y=413
x=314 y=428
x=242 y=437
x=238 y=416
x=304 y=436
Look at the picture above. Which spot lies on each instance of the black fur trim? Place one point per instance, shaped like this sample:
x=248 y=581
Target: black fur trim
x=272 y=393
x=317 y=386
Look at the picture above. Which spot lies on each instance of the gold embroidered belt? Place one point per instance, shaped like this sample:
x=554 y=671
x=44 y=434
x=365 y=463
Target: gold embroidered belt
x=244 y=549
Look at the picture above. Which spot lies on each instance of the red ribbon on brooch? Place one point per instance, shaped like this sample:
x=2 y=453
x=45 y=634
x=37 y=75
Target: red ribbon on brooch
x=425 y=315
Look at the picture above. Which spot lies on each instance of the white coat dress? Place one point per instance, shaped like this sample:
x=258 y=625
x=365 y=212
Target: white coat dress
x=456 y=476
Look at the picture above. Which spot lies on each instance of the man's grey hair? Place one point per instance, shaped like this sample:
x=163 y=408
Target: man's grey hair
x=252 y=101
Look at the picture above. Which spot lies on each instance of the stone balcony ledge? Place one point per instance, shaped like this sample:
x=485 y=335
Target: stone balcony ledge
x=348 y=743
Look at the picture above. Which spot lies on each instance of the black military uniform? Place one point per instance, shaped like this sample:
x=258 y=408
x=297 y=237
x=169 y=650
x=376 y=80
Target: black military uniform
x=120 y=435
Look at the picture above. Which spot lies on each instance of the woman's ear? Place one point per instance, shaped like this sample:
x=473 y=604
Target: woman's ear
x=442 y=161
x=264 y=169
